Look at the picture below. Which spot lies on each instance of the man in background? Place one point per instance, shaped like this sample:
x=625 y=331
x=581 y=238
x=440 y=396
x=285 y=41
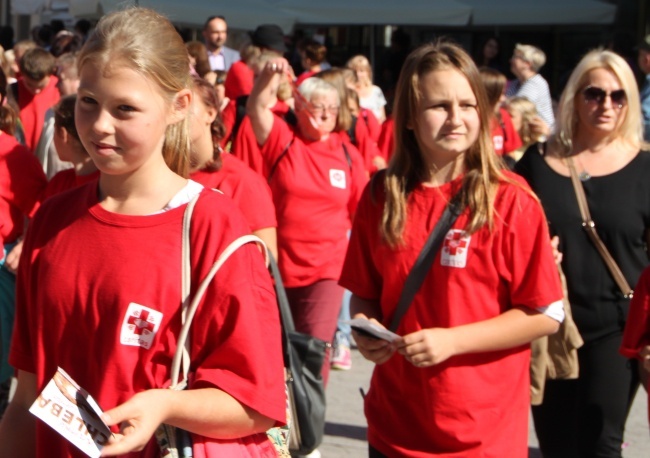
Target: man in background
x=215 y=34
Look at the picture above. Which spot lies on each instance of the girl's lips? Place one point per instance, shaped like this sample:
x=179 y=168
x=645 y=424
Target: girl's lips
x=104 y=149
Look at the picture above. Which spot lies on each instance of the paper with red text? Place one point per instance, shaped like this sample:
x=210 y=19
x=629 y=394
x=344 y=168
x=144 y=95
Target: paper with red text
x=73 y=413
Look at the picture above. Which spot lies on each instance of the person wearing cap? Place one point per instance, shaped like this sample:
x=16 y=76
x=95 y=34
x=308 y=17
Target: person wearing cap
x=215 y=34
x=525 y=64
x=269 y=37
x=644 y=65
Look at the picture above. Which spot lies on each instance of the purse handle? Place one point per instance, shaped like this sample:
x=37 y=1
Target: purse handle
x=182 y=353
x=590 y=226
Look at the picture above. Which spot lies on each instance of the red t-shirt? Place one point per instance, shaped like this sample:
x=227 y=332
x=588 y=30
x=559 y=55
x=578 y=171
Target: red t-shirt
x=315 y=190
x=637 y=328
x=365 y=143
x=87 y=273
x=385 y=141
x=504 y=136
x=239 y=80
x=303 y=76
x=33 y=109
x=22 y=182
x=67 y=179
x=248 y=189
x=245 y=145
x=372 y=123
x=471 y=405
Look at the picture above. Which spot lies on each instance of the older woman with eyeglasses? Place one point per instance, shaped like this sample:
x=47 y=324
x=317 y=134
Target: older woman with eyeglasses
x=599 y=134
x=316 y=177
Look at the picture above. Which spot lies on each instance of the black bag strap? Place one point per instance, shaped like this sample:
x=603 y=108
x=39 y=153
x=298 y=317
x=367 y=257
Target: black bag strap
x=425 y=259
x=277 y=161
x=286 y=320
x=352 y=131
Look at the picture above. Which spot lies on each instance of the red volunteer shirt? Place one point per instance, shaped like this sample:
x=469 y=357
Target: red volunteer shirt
x=86 y=275
x=504 y=136
x=248 y=189
x=315 y=190
x=637 y=329
x=68 y=179
x=33 y=108
x=385 y=142
x=239 y=80
x=22 y=182
x=472 y=405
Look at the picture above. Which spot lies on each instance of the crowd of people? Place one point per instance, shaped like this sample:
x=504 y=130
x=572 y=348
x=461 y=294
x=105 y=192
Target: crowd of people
x=108 y=135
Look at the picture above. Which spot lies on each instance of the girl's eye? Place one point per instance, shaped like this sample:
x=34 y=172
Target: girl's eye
x=467 y=106
x=88 y=100
x=126 y=108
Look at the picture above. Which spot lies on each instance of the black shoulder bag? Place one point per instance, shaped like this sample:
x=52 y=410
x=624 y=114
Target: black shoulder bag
x=303 y=361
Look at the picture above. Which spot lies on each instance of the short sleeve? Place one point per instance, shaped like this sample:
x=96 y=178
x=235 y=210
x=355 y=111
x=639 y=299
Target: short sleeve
x=359 y=274
x=525 y=257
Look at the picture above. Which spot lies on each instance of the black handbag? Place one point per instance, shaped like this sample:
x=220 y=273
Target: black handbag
x=303 y=361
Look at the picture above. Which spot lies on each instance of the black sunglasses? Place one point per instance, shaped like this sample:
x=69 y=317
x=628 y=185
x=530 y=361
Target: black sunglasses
x=593 y=94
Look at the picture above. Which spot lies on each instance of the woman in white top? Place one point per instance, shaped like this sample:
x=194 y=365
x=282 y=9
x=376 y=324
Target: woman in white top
x=370 y=96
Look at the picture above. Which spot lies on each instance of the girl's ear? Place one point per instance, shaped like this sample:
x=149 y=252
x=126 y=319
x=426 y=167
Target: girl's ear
x=181 y=106
x=211 y=113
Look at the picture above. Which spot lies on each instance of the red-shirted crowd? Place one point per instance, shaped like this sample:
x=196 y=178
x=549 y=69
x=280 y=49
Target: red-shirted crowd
x=342 y=194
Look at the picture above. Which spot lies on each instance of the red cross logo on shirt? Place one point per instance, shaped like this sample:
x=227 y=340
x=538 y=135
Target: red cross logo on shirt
x=456 y=243
x=140 y=322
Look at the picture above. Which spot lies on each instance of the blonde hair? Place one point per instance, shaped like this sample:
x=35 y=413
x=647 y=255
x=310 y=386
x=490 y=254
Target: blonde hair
x=528 y=111
x=360 y=62
x=534 y=56
x=335 y=77
x=148 y=43
x=482 y=169
x=630 y=128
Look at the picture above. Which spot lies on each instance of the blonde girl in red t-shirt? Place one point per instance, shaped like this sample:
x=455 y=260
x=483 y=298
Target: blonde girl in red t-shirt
x=114 y=322
x=455 y=383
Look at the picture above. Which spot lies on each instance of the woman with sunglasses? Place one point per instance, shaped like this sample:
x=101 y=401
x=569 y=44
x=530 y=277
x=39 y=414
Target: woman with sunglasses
x=599 y=132
x=316 y=177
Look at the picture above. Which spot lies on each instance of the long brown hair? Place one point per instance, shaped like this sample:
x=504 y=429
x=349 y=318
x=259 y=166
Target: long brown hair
x=208 y=95
x=482 y=170
x=150 y=45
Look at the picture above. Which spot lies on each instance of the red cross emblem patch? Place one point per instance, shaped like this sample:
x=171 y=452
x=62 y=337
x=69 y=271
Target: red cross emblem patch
x=337 y=178
x=140 y=326
x=455 y=248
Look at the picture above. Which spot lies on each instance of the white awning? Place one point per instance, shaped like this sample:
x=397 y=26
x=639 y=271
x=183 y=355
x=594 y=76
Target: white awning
x=540 y=12
x=379 y=12
x=240 y=14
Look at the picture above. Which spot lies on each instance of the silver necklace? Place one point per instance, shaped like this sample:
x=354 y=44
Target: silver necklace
x=584 y=175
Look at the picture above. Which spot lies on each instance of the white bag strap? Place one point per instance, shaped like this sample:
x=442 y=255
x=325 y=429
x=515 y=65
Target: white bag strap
x=182 y=354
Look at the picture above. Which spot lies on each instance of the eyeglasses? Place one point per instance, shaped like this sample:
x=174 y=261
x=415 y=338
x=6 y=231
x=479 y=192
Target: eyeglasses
x=319 y=110
x=594 y=94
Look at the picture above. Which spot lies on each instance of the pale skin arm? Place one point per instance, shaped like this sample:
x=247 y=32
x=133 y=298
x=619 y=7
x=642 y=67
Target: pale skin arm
x=18 y=426
x=11 y=263
x=428 y=347
x=269 y=236
x=263 y=98
x=209 y=412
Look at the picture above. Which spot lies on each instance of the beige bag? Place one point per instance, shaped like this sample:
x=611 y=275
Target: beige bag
x=555 y=357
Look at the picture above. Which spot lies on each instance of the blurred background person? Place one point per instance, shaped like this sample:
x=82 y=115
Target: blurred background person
x=370 y=95
x=525 y=64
